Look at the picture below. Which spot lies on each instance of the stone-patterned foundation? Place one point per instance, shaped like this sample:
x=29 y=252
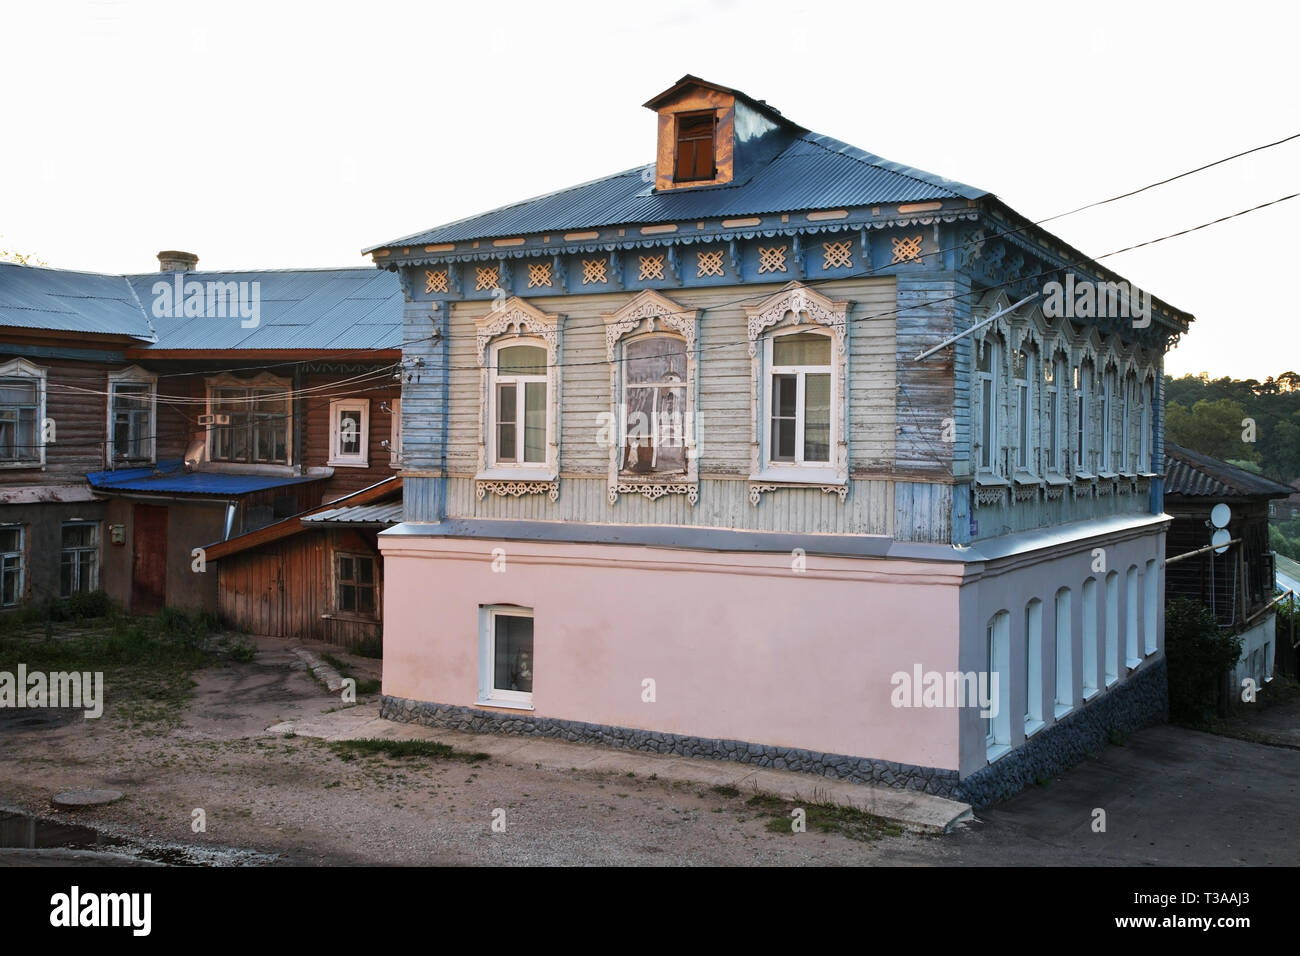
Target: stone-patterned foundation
x=1141 y=700
x=857 y=769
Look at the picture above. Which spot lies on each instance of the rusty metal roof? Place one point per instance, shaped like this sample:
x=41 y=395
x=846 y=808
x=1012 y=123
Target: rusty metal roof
x=1190 y=474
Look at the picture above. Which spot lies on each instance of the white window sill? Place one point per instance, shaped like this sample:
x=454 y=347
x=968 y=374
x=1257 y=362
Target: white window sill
x=1061 y=710
x=1052 y=478
x=507 y=473
x=1111 y=681
x=1133 y=663
x=22 y=464
x=508 y=704
x=1032 y=727
x=1084 y=476
x=1107 y=475
x=347 y=463
x=798 y=475
x=1026 y=478
x=1090 y=693
x=997 y=752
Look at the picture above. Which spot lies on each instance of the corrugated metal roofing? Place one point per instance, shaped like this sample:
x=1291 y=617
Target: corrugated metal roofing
x=351 y=309
x=1194 y=475
x=170 y=477
x=813 y=172
x=32 y=297
x=359 y=514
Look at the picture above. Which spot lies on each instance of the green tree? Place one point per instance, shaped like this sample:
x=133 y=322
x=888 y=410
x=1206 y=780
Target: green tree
x=1213 y=428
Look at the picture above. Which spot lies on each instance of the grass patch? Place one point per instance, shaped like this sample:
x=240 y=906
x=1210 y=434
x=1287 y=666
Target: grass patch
x=365 y=685
x=725 y=790
x=822 y=817
x=403 y=750
x=147 y=662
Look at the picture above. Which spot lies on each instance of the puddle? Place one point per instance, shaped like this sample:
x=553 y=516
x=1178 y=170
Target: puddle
x=25 y=831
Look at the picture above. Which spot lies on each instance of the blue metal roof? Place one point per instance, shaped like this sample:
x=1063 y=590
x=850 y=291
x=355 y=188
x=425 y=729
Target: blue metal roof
x=58 y=300
x=346 y=309
x=813 y=172
x=170 y=477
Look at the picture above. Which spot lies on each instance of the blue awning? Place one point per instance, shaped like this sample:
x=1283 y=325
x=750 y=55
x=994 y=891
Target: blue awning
x=170 y=477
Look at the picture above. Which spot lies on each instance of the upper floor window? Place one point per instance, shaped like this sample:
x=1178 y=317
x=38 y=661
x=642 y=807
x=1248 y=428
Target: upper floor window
x=519 y=445
x=654 y=406
x=1023 y=373
x=1057 y=423
x=799 y=398
x=1144 y=435
x=519 y=404
x=986 y=374
x=350 y=432
x=251 y=423
x=131 y=416
x=1083 y=407
x=395 y=435
x=22 y=411
x=1109 y=444
x=695 y=152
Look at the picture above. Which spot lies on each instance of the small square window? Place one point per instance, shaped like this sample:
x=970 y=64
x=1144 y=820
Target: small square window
x=355 y=585
x=350 y=432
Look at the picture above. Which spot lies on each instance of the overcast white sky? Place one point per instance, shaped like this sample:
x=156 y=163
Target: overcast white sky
x=275 y=135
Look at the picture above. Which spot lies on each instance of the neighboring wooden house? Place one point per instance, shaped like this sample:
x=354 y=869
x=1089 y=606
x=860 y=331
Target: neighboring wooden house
x=1288 y=507
x=1237 y=585
x=222 y=402
x=316 y=575
x=670 y=449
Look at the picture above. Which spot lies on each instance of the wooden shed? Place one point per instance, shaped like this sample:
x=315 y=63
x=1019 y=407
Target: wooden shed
x=316 y=575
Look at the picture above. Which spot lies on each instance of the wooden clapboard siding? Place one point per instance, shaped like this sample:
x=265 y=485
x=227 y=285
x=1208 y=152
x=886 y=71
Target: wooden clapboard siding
x=347 y=479
x=75 y=401
x=926 y=391
x=725 y=416
x=284 y=589
x=724 y=503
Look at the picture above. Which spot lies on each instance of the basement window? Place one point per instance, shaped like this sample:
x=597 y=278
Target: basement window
x=506 y=657
x=695 y=150
x=356 y=584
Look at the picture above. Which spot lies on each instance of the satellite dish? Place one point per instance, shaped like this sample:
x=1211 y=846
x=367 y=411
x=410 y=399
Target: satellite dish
x=1220 y=515
x=1220 y=540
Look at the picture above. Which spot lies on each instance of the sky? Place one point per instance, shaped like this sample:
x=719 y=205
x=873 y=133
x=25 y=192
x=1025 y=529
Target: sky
x=291 y=135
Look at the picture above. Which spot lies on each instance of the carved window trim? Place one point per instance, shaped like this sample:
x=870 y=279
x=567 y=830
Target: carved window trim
x=132 y=375
x=20 y=368
x=518 y=322
x=651 y=313
x=793 y=306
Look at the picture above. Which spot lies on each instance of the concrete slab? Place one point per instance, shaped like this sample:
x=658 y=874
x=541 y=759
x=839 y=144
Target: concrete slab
x=919 y=811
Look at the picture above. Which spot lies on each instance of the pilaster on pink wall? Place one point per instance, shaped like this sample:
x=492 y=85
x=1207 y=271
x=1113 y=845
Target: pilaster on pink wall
x=739 y=646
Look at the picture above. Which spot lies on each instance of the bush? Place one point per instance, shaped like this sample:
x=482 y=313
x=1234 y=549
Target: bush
x=1198 y=655
x=370 y=647
x=89 y=604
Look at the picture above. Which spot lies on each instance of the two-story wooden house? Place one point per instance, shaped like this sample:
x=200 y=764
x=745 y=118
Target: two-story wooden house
x=185 y=408
x=776 y=451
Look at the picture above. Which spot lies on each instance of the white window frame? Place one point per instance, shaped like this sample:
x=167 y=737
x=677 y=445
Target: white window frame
x=1083 y=375
x=1033 y=670
x=997 y=727
x=361 y=458
x=1091 y=652
x=1144 y=445
x=990 y=448
x=395 y=434
x=1131 y=619
x=488 y=694
x=21 y=368
x=521 y=382
x=771 y=464
x=651 y=313
x=1150 y=608
x=18 y=558
x=1112 y=627
x=134 y=376
x=96 y=550
x=797 y=308
x=1064 y=661
x=265 y=382
x=516 y=322
x=1024 y=404
x=1108 y=449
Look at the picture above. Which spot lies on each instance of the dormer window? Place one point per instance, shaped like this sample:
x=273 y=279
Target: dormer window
x=695 y=149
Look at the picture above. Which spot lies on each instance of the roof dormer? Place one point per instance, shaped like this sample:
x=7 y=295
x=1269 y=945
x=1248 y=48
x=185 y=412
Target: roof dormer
x=702 y=129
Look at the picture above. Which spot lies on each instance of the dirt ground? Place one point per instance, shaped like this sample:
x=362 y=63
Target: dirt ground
x=298 y=801
x=1172 y=796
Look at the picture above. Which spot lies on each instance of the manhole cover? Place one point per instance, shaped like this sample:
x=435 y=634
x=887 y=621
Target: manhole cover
x=86 y=798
